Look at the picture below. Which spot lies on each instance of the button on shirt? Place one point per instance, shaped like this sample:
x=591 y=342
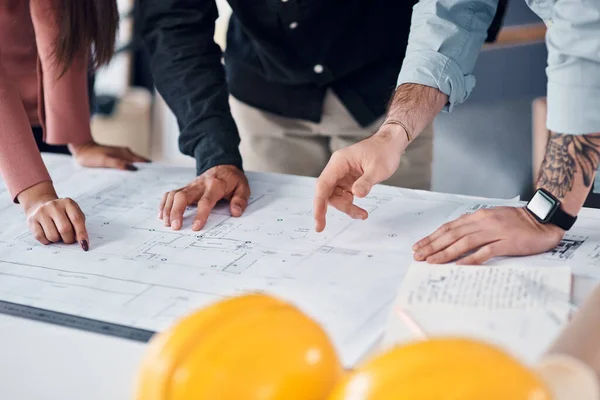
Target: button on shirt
x=447 y=35
x=282 y=56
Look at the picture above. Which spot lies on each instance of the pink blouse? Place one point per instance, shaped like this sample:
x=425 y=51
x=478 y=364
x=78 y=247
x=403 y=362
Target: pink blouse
x=32 y=94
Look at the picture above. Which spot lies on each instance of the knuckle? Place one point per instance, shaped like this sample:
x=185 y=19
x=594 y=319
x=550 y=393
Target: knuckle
x=78 y=217
x=454 y=235
x=180 y=196
x=427 y=249
x=338 y=155
x=64 y=228
x=487 y=252
x=469 y=241
x=53 y=237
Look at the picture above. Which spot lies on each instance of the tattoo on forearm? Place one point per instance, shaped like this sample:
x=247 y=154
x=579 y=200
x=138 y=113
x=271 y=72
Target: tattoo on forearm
x=565 y=155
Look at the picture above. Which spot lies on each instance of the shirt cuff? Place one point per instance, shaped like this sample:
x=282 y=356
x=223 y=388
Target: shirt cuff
x=16 y=185
x=210 y=154
x=436 y=70
x=573 y=110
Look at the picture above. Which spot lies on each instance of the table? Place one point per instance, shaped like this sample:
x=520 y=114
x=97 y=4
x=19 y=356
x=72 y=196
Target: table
x=69 y=364
x=40 y=361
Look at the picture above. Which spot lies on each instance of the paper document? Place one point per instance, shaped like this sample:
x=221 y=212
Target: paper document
x=485 y=288
x=521 y=308
x=139 y=273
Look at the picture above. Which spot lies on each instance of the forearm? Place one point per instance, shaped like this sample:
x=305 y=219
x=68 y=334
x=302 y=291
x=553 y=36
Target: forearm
x=21 y=165
x=187 y=69
x=414 y=106
x=569 y=168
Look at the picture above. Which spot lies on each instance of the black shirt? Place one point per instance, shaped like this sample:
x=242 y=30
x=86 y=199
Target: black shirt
x=281 y=57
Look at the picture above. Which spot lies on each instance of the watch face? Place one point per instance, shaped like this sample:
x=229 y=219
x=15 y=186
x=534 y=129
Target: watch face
x=542 y=205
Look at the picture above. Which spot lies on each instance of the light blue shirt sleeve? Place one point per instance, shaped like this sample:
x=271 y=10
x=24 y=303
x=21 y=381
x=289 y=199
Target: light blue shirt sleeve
x=573 y=40
x=445 y=39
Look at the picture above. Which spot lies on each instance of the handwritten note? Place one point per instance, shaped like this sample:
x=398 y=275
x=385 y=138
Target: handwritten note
x=519 y=307
x=487 y=288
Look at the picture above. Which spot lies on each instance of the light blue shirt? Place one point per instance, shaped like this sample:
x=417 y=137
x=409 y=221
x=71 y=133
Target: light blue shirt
x=446 y=37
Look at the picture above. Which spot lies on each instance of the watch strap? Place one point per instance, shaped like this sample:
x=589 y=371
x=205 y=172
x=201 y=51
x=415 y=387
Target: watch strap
x=563 y=220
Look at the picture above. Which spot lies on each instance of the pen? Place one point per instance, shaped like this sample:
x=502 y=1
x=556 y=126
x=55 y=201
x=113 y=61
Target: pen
x=410 y=322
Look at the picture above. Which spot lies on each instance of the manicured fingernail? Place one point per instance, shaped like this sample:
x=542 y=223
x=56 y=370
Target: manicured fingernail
x=236 y=211
x=176 y=224
x=84 y=245
x=357 y=216
x=419 y=256
x=130 y=167
x=196 y=226
x=160 y=215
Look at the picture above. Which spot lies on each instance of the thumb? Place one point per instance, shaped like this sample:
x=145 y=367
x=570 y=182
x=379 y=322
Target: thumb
x=365 y=183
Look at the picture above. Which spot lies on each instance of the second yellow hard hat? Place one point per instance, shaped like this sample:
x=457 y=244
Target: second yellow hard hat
x=443 y=369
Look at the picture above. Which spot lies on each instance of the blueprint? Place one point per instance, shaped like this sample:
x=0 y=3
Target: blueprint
x=139 y=273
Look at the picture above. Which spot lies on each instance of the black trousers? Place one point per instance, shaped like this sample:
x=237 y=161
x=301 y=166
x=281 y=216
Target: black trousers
x=47 y=148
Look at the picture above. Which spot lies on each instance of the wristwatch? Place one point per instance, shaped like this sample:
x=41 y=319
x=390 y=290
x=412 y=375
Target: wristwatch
x=546 y=209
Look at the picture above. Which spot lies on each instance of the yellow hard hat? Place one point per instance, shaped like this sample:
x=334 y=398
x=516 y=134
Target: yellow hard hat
x=442 y=369
x=246 y=348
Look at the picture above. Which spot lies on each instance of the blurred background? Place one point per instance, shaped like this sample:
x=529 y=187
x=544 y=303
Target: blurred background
x=484 y=147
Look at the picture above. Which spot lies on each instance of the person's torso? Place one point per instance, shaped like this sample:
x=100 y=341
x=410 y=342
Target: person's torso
x=18 y=52
x=283 y=54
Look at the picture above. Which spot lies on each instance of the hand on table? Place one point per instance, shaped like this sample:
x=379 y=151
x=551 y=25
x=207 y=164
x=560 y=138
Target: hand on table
x=51 y=219
x=501 y=231
x=94 y=155
x=220 y=182
x=353 y=171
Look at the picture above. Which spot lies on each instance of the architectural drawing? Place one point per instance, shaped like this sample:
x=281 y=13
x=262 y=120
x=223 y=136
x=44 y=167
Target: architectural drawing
x=567 y=247
x=141 y=274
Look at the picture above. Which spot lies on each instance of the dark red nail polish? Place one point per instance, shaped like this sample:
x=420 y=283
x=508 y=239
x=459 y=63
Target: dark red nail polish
x=84 y=245
x=130 y=167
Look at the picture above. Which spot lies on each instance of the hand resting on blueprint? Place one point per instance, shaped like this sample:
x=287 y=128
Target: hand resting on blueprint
x=94 y=155
x=51 y=219
x=567 y=172
x=501 y=231
x=221 y=182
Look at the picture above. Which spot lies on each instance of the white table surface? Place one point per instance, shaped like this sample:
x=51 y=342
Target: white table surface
x=41 y=361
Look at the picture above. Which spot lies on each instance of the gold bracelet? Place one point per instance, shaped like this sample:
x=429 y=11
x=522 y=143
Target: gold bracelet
x=396 y=122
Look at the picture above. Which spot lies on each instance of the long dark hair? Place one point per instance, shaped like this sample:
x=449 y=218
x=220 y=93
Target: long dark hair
x=83 y=25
